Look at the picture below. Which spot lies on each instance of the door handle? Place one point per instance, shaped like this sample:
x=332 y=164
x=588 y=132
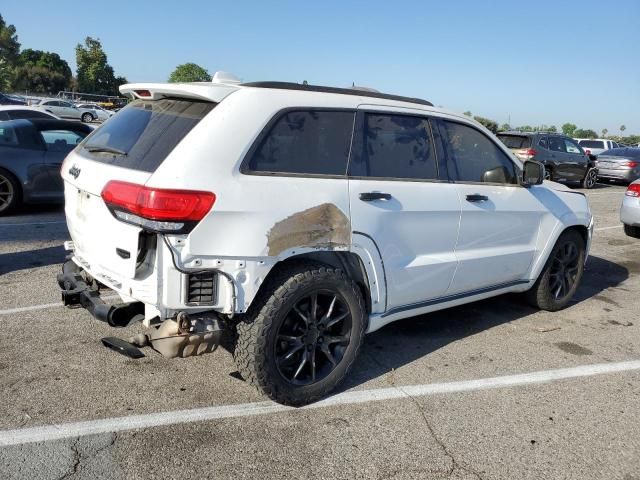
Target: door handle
x=370 y=196
x=477 y=198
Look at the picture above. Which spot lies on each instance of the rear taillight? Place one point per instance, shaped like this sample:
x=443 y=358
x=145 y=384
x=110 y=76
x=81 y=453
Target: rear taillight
x=633 y=190
x=532 y=152
x=156 y=209
x=587 y=151
x=631 y=164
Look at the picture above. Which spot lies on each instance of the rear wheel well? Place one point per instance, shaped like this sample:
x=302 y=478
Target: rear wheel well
x=348 y=262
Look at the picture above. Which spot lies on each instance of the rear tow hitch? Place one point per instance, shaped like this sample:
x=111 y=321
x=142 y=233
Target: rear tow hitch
x=76 y=291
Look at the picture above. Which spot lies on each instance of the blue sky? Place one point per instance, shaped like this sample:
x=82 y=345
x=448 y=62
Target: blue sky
x=535 y=62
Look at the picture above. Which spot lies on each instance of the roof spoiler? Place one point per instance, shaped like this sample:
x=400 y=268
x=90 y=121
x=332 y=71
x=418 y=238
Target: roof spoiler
x=211 y=92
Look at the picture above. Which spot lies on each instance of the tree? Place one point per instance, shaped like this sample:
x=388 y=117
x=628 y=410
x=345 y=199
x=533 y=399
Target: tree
x=604 y=132
x=9 y=46
x=189 y=72
x=622 y=128
x=94 y=74
x=489 y=124
x=505 y=127
x=553 y=129
x=526 y=128
x=39 y=80
x=581 y=133
x=568 y=129
x=42 y=72
x=468 y=113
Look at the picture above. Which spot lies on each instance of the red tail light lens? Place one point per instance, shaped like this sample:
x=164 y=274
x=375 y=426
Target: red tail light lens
x=155 y=209
x=143 y=93
x=531 y=151
x=587 y=151
x=631 y=164
x=633 y=190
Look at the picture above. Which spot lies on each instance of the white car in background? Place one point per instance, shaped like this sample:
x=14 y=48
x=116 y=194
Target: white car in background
x=595 y=146
x=92 y=112
x=61 y=108
x=15 y=112
x=301 y=217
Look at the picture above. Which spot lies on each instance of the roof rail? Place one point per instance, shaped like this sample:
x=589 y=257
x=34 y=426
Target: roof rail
x=341 y=91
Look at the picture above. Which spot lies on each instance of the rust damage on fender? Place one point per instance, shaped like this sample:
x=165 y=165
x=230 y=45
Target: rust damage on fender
x=324 y=226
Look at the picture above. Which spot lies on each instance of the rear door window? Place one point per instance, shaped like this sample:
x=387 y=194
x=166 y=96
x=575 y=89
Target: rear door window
x=312 y=142
x=556 y=144
x=145 y=132
x=473 y=157
x=395 y=146
x=572 y=147
x=21 y=114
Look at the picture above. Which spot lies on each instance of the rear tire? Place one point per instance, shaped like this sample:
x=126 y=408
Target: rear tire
x=632 y=231
x=547 y=174
x=561 y=275
x=590 y=179
x=10 y=193
x=87 y=118
x=296 y=353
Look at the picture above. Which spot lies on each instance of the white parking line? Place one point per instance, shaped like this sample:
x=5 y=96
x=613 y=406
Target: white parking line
x=30 y=308
x=31 y=224
x=135 y=422
x=608 y=228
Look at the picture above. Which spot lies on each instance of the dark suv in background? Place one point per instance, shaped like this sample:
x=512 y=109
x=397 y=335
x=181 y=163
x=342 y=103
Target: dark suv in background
x=563 y=159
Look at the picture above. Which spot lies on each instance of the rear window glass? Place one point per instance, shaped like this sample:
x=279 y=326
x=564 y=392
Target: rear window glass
x=622 y=152
x=21 y=114
x=515 y=141
x=308 y=142
x=145 y=132
x=591 y=144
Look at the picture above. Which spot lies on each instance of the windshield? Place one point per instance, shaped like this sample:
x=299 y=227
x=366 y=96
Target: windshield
x=516 y=141
x=144 y=133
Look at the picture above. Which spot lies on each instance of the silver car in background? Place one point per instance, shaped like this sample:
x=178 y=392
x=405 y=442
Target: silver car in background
x=621 y=164
x=630 y=210
x=92 y=112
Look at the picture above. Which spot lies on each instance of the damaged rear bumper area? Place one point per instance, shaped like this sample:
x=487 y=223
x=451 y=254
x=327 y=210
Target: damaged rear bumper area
x=77 y=292
x=183 y=336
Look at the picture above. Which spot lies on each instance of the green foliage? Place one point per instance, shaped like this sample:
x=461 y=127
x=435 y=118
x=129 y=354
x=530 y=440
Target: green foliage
x=489 y=124
x=553 y=129
x=41 y=72
x=604 y=132
x=39 y=80
x=568 y=129
x=468 y=113
x=189 y=72
x=9 y=46
x=505 y=127
x=94 y=74
x=582 y=133
x=622 y=128
x=526 y=128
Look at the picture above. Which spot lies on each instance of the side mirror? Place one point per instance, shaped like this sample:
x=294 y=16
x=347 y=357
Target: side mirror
x=532 y=173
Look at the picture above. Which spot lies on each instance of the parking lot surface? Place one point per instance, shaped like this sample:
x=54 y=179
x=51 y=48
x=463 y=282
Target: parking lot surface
x=489 y=390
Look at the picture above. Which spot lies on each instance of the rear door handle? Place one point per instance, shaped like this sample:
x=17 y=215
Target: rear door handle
x=477 y=198
x=370 y=196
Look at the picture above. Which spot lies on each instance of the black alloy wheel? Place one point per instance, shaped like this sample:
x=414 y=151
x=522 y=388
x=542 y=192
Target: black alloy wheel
x=313 y=337
x=564 y=270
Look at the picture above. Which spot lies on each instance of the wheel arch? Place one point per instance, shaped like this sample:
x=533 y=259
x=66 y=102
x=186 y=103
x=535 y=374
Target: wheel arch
x=543 y=257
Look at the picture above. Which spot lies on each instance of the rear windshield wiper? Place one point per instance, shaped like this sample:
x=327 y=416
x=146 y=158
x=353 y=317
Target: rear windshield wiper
x=104 y=149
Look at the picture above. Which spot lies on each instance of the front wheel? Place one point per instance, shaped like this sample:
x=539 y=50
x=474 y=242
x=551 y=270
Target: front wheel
x=547 y=174
x=561 y=275
x=590 y=179
x=303 y=335
x=87 y=118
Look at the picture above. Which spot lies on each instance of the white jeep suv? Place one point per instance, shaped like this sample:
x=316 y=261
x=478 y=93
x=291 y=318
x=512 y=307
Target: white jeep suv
x=301 y=217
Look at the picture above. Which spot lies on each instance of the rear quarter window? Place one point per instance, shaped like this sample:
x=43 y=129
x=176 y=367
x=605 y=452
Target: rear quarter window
x=312 y=142
x=515 y=141
x=146 y=131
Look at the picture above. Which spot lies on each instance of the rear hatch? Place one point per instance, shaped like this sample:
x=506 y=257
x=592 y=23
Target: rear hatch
x=518 y=144
x=128 y=148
